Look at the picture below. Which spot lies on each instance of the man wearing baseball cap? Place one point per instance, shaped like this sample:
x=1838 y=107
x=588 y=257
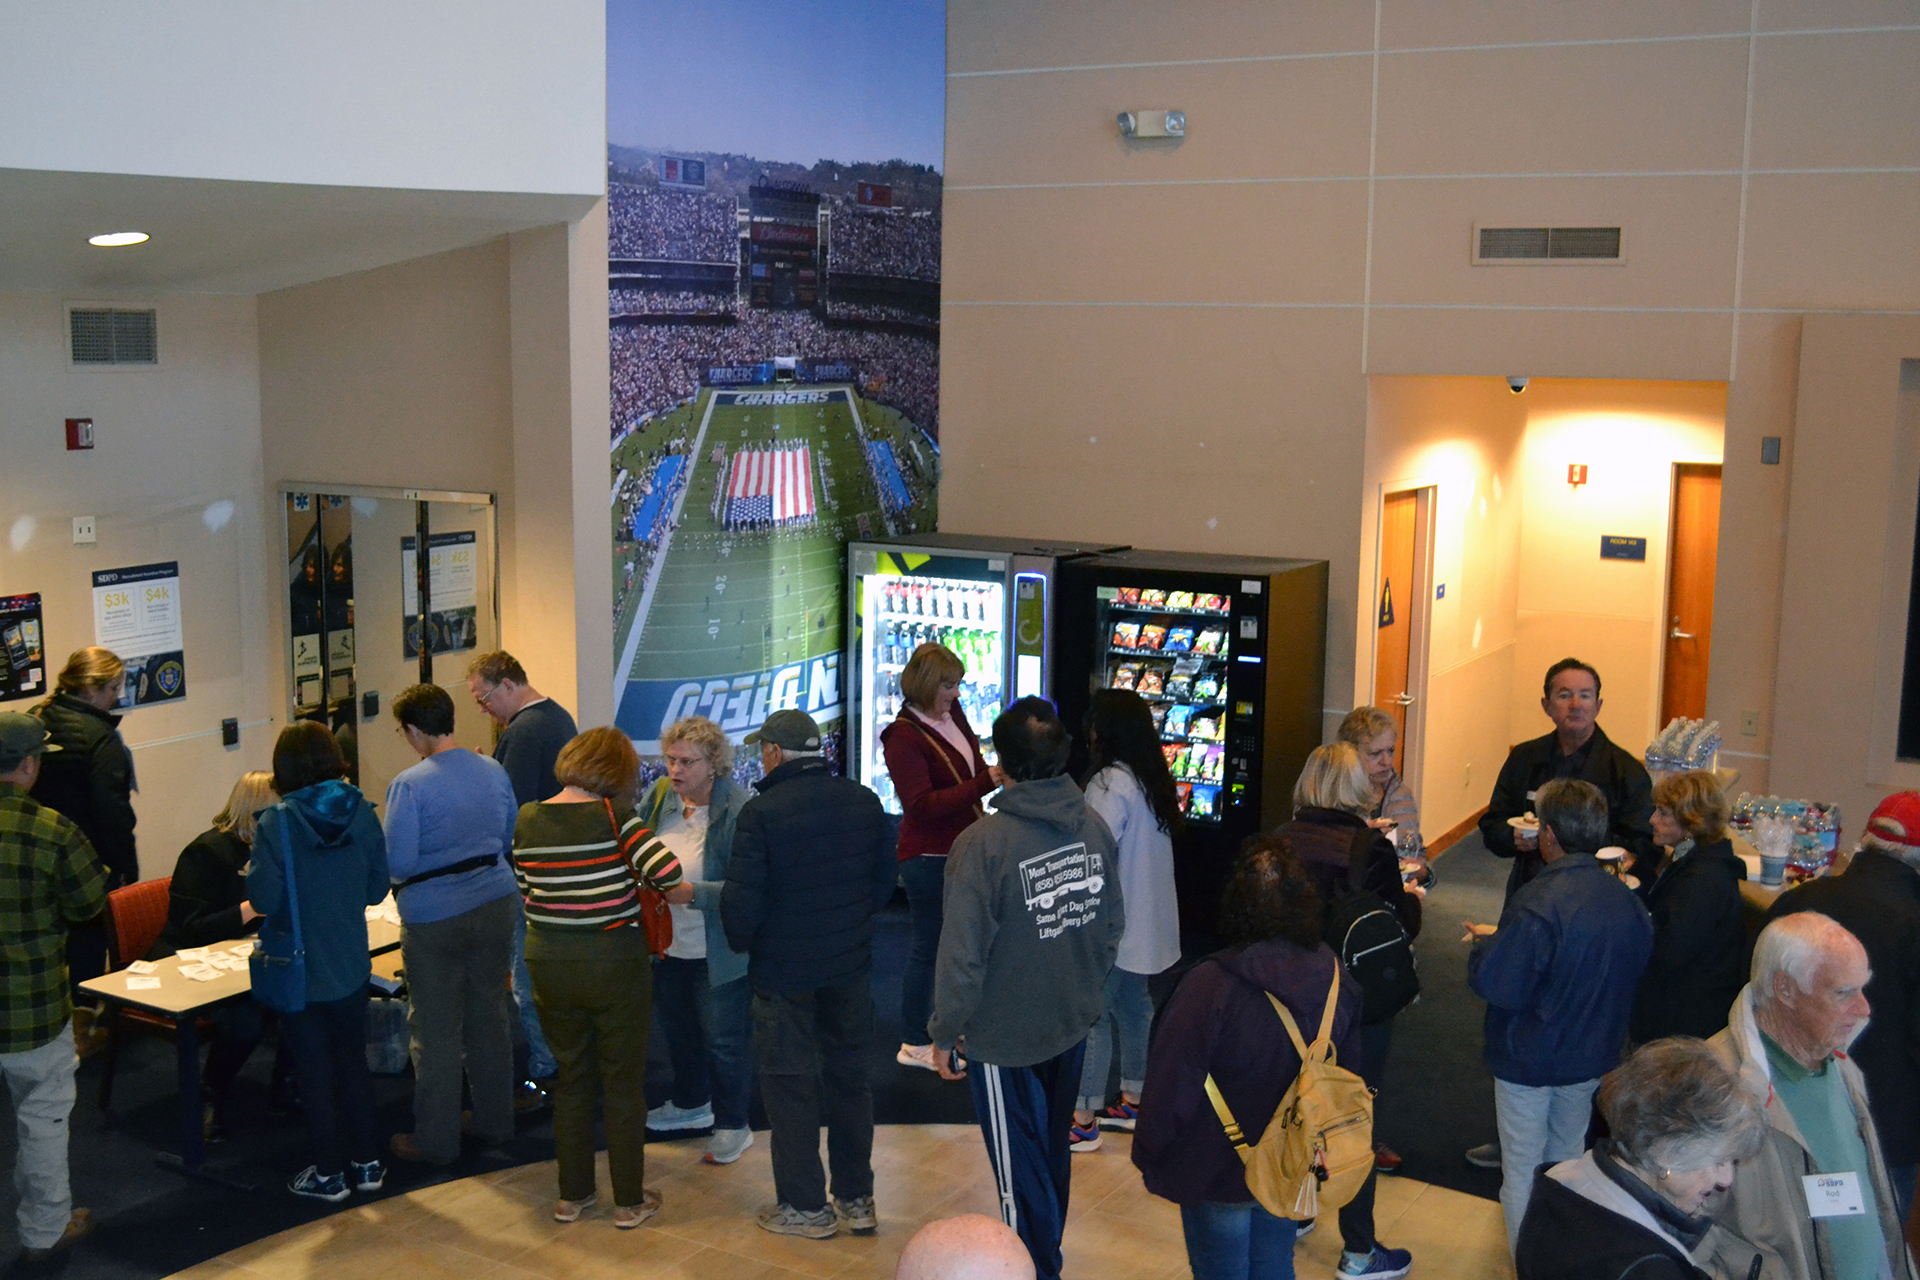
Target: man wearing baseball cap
x=812 y=862
x=50 y=880
x=1877 y=900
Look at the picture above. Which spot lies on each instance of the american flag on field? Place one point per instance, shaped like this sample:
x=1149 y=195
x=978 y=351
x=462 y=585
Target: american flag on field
x=771 y=484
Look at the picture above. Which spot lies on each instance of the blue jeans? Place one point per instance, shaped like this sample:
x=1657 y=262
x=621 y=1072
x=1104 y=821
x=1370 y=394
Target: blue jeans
x=709 y=1034
x=925 y=881
x=1237 y=1242
x=1129 y=1011
x=1539 y=1124
x=540 y=1063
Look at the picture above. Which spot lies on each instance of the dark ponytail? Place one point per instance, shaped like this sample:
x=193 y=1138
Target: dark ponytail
x=1120 y=730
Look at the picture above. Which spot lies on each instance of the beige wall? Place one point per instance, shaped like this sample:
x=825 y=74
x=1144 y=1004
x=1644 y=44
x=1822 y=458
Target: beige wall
x=1112 y=306
x=175 y=475
x=472 y=370
x=1848 y=564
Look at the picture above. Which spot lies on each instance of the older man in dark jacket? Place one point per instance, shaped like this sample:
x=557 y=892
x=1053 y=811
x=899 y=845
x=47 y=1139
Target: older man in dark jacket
x=1877 y=900
x=812 y=862
x=1558 y=975
x=1577 y=748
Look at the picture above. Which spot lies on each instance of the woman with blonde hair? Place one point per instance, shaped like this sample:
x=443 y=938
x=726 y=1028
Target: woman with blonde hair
x=1332 y=802
x=700 y=987
x=207 y=904
x=580 y=859
x=1699 y=958
x=934 y=759
x=1375 y=735
x=87 y=772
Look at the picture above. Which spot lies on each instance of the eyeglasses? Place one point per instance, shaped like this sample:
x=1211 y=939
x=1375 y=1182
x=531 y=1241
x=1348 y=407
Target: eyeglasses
x=487 y=696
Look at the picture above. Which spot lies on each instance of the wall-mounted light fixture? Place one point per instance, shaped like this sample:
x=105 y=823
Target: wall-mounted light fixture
x=1153 y=124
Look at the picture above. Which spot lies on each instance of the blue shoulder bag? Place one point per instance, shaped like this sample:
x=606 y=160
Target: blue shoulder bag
x=278 y=965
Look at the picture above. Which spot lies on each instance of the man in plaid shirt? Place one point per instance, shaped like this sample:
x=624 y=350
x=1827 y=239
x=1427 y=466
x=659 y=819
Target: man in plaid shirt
x=50 y=880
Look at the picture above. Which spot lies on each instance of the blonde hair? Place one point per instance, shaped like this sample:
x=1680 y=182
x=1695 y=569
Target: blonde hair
x=600 y=761
x=1334 y=779
x=1364 y=724
x=90 y=668
x=932 y=665
x=1696 y=802
x=704 y=734
x=252 y=793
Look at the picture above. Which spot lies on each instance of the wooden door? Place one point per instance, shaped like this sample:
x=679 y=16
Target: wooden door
x=1691 y=554
x=1401 y=598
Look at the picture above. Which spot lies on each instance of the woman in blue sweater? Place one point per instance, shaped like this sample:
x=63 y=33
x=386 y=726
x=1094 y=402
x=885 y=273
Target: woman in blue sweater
x=449 y=837
x=324 y=832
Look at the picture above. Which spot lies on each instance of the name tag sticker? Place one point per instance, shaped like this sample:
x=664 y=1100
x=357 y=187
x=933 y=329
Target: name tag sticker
x=1530 y=796
x=1833 y=1195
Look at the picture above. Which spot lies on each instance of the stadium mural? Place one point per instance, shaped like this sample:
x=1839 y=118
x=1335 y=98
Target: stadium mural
x=774 y=298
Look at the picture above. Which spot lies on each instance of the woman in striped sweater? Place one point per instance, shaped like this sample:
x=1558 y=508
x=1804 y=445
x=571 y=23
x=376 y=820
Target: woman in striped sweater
x=578 y=857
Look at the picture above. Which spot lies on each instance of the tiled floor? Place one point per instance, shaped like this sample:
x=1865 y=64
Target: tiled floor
x=497 y=1226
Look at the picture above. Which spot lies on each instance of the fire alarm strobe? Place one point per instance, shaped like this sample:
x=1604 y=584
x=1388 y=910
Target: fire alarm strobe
x=79 y=433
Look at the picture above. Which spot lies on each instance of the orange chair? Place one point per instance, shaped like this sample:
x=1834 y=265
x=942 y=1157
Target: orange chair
x=135 y=916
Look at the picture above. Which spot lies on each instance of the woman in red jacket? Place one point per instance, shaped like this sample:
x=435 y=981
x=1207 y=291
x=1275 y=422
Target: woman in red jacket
x=941 y=777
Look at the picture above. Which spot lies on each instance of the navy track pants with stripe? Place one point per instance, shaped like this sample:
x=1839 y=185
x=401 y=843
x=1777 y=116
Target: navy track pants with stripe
x=1026 y=1114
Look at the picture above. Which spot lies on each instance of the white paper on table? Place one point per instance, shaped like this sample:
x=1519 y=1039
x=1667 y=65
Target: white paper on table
x=199 y=972
x=221 y=960
x=194 y=953
x=241 y=949
x=142 y=984
x=141 y=966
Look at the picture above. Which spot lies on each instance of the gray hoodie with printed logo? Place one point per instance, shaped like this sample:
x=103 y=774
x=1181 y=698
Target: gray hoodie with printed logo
x=1031 y=926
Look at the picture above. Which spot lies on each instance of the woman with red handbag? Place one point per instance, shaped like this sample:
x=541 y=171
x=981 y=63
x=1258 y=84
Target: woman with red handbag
x=597 y=884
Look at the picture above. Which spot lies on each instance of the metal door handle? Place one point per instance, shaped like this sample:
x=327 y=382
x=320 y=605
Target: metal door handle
x=1403 y=700
x=1678 y=634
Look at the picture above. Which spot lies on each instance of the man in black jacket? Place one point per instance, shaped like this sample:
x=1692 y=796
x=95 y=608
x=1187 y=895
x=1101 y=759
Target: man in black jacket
x=1877 y=900
x=1577 y=748
x=811 y=864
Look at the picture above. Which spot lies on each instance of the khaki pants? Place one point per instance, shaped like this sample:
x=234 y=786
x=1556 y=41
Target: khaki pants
x=594 y=991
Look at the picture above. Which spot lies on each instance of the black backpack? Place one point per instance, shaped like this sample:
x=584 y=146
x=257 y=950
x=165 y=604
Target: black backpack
x=1371 y=942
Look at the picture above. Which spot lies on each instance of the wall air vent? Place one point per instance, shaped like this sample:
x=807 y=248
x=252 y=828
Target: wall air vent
x=101 y=337
x=1555 y=246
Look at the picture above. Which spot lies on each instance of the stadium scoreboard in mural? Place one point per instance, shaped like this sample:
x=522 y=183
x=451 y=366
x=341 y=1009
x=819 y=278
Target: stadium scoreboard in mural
x=1229 y=654
x=988 y=600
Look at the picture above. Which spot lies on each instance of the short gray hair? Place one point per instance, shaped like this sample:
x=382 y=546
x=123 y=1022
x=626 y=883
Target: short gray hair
x=1673 y=1105
x=1796 y=945
x=1576 y=811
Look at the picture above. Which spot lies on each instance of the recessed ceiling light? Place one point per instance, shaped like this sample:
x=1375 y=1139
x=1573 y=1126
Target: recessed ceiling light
x=115 y=239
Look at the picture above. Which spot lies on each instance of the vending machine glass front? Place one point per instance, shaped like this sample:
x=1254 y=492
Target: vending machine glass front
x=1171 y=648
x=909 y=600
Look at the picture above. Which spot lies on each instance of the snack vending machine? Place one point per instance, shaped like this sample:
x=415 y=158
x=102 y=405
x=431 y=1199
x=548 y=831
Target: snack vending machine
x=990 y=600
x=1229 y=654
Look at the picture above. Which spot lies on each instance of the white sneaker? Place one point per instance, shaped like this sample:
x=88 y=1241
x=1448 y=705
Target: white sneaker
x=916 y=1055
x=727 y=1145
x=668 y=1118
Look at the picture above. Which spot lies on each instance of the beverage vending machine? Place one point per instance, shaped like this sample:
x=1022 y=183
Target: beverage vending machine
x=1229 y=654
x=990 y=600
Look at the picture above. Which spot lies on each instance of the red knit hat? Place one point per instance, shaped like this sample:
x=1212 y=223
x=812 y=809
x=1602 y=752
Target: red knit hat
x=1896 y=823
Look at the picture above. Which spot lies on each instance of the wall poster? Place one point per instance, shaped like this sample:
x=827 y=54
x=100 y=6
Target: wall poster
x=774 y=297
x=453 y=591
x=23 y=669
x=136 y=613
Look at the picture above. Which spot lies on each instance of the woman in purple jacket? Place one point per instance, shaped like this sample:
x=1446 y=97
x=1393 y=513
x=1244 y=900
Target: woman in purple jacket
x=1219 y=1023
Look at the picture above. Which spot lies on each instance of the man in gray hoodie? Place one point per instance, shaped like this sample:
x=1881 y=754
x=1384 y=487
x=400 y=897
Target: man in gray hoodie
x=1030 y=930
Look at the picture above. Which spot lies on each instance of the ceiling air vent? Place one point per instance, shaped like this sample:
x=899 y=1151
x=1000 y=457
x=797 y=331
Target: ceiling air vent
x=110 y=336
x=1523 y=246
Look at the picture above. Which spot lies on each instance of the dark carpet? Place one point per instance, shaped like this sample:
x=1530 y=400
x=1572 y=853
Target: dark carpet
x=1437 y=1102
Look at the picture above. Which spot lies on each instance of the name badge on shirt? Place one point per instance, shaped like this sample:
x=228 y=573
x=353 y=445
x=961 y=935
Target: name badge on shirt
x=1530 y=796
x=1833 y=1195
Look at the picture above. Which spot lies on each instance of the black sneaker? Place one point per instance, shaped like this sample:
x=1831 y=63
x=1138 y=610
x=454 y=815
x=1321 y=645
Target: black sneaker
x=310 y=1183
x=370 y=1176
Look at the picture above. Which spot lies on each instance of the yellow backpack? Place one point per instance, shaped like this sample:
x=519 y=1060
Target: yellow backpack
x=1317 y=1150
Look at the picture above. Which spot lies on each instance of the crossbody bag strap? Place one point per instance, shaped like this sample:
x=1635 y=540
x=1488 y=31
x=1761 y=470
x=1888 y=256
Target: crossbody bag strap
x=940 y=748
x=293 y=887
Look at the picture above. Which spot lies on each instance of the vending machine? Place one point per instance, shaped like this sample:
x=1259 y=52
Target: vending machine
x=1229 y=653
x=990 y=600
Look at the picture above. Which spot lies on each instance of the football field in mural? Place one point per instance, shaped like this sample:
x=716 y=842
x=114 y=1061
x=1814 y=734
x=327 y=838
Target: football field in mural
x=730 y=517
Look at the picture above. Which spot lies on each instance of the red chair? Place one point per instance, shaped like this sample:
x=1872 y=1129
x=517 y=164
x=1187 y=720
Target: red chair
x=135 y=917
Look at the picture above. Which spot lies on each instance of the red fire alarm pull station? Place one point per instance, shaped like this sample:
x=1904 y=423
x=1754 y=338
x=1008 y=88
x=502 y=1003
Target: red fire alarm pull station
x=79 y=433
x=1576 y=474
